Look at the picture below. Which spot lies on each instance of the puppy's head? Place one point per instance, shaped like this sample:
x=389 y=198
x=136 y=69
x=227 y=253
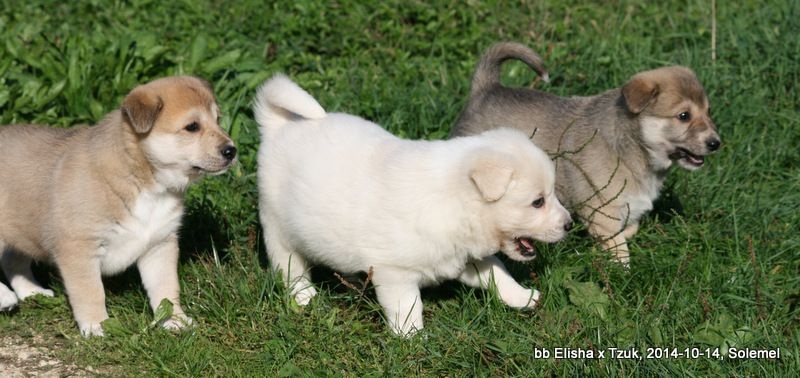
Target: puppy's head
x=176 y=121
x=673 y=111
x=515 y=181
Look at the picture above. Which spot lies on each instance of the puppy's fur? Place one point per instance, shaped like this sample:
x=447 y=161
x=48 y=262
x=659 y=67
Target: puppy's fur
x=612 y=150
x=341 y=191
x=95 y=200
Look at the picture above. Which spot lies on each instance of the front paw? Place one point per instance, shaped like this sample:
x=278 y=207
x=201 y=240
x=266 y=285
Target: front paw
x=405 y=330
x=91 y=329
x=303 y=296
x=177 y=322
x=623 y=259
x=525 y=298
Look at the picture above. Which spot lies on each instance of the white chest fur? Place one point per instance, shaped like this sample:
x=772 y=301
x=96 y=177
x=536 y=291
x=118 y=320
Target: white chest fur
x=641 y=201
x=153 y=219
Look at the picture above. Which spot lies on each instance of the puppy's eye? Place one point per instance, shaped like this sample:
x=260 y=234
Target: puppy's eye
x=539 y=202
x=684 y=116
x=192 y=127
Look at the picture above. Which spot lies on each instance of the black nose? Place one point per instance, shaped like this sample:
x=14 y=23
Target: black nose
x=713 y=144
x=568 y=225
x=228 y=152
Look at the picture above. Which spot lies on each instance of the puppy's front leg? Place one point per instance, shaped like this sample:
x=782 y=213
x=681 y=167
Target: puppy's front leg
x=630 y=230
x=159 y=271
x=617 y=245
x=84 y=284
x=490 y=270
x=400 y=298
x=602 y=228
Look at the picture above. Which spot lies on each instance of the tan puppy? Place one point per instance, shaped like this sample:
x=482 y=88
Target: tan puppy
x=612 y=150
x=96 y=200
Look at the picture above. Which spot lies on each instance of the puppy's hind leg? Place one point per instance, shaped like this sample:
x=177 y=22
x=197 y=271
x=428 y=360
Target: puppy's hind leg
x=489 y=272
x=17 y=267
x=8 y=299
x=294 y=267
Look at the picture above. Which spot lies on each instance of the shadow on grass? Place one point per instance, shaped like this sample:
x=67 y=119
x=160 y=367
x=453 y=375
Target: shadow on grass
x=202 y=233
x=325 y=280
x=667 y=206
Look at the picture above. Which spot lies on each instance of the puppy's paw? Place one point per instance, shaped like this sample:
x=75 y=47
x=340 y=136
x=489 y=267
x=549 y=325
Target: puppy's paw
x=177 y=322
x=91 y=329
x=303 y=296
x=405 y=331
x=623 y=260
x=525 y=298
x=34 y=290
x=8 y=299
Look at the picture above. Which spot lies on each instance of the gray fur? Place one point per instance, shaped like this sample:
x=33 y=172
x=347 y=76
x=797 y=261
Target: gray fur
x=608 y=171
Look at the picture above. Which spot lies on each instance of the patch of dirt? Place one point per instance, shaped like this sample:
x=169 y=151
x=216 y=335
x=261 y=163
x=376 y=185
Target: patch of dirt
x=25 y=358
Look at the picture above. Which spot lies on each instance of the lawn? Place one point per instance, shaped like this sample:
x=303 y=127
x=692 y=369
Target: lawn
x=715 y=266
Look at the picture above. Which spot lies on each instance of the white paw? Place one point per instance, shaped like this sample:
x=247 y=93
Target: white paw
x=22 y=294
x=8 y=299
x=406 y=331
x=525 y=298
x=623 y=258
x=91 y=329
x=406 y=327
x=303 y=296
x=177 y=322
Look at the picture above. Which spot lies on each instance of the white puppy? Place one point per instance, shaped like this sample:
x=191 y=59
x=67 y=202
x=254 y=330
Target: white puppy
x=341 y=191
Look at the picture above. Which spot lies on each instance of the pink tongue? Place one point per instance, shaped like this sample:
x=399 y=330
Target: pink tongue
x=695 y=160
x=525 y=243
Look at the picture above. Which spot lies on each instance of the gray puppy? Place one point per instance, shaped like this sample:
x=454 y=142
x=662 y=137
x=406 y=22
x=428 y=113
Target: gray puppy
x=613 y=150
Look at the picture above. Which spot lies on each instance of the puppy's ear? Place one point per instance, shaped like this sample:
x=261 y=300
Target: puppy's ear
x=141 y=108
x=491 y=175
x=639 y=93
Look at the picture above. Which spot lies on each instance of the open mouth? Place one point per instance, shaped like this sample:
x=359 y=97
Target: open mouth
x=688 y=157
x=525 y=246
x=198 y=169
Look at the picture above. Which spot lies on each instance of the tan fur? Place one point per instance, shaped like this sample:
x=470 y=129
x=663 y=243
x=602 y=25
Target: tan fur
x=69 y=196
x=613 y=150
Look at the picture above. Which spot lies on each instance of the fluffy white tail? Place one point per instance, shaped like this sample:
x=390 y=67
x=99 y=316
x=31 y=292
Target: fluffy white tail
x=279 y=100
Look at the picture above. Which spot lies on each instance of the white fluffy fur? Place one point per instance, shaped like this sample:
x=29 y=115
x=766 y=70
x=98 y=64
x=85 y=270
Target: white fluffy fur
x=341 y=191
x=154 y=219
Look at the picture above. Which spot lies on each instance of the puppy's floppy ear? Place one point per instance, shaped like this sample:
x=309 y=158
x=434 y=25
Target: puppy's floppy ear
x=639 y=93
x=141 y=108
x=491 y=175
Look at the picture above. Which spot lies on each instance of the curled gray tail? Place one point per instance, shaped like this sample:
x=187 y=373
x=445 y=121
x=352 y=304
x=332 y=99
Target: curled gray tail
x=487 y=73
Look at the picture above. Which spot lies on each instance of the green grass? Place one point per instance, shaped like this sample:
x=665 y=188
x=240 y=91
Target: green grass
x=716 y=264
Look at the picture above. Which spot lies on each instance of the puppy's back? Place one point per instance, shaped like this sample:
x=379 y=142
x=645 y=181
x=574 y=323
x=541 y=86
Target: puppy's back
x=29 y=149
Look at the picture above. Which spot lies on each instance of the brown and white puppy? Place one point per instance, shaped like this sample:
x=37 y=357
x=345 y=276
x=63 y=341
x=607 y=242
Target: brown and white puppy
x=613 y=150
x=96 y=200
